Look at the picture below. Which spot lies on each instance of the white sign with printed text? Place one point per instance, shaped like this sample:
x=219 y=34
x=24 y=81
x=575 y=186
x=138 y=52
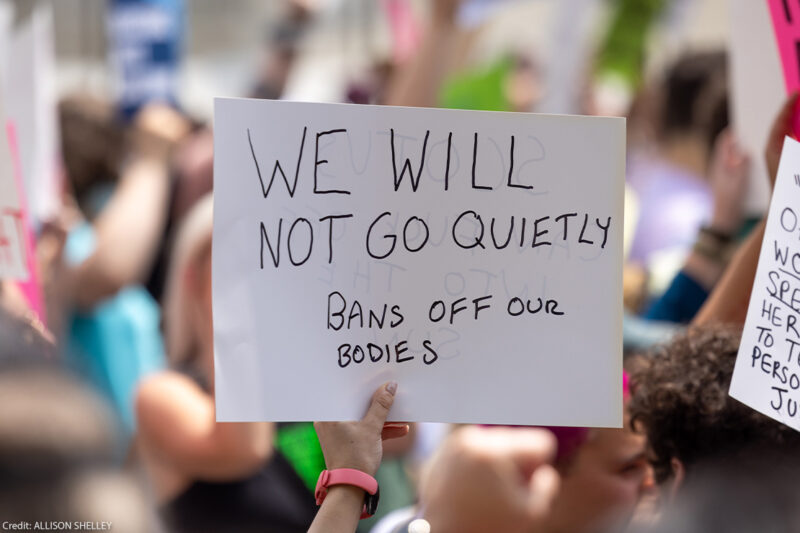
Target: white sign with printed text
x=767 y=372
x=473 y=257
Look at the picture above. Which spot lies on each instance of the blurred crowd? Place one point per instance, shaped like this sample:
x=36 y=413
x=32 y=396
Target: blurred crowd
x=107 y=397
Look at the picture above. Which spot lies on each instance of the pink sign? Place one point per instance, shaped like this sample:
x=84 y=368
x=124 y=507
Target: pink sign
x=786 y=23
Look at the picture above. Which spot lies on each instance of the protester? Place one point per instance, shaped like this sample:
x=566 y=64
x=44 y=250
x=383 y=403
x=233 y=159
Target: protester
x=57 y=442
x=669 y=178
x=728 y=302
x=207 y=475
x=680 y=400
x=759 y=493
x=715 y=242
x=100 y=250
x=491 y=479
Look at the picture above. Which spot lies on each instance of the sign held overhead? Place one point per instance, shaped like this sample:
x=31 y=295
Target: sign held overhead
x=473 y=257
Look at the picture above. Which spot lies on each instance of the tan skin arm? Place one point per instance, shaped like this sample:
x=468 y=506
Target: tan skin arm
x=340 y=512
x=178 y=431
x=356 y=445
x=128 y=229
x=126 y=234
x=728 y=302
x=728 y=177
x=417 y=82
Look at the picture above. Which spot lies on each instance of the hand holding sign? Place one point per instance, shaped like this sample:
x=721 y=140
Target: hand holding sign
x=358 y=444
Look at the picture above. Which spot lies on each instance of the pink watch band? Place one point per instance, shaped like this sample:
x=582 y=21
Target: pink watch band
x=349 y=476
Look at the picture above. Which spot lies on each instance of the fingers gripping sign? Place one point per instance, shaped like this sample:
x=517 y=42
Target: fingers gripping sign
x=358 y=445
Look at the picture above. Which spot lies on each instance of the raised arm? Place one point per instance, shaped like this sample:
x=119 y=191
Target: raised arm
x=728 y=302
x=177 y=427
x=417 y=82
x=129 y=228
x=355 y=445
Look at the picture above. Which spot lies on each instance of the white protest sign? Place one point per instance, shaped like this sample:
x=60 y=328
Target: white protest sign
x=767 y=372
x=473 y=257
x=31 y=91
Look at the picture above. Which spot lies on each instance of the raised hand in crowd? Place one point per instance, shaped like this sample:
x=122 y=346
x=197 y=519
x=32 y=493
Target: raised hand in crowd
x=490 y=479
x=728 y=178
x=731 y=296
x=417 y=82
x=128 y=229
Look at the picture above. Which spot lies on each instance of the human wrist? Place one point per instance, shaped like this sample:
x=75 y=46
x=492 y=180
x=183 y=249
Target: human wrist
x=352 y=461
x=724 y=223
x=714 y=244
x=347 y=493
x=366 y=488
x=352 y=465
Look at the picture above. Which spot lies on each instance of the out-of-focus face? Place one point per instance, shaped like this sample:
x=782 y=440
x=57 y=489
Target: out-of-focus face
x=603 y=483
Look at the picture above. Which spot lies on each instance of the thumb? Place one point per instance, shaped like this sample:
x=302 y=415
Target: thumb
x=380 y=405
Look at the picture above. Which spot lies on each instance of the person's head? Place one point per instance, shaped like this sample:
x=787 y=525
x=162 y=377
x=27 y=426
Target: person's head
x=695 y=98
x=92 y=144
x=602 y=482
x=758 y=493
x=604 y=473
x=56 y=453
x=56 y=440
x=680 y=401
x=188 y=317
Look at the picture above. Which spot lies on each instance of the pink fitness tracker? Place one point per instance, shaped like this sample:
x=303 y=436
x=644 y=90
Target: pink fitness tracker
x=350 y=476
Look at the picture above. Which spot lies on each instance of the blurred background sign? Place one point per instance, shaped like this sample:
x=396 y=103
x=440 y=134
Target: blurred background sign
x=145 y=38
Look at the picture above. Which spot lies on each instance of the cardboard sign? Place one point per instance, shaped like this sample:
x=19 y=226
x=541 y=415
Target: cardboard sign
x=767 y=373
x=473 y=257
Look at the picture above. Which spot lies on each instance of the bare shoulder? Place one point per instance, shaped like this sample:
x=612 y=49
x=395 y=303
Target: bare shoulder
x=163 y=389
x=168 y=401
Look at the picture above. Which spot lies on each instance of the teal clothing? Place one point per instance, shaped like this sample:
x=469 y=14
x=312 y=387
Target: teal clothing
x=117 y=342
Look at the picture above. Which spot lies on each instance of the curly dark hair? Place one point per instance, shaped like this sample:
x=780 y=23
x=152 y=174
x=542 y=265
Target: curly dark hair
x=679 y=397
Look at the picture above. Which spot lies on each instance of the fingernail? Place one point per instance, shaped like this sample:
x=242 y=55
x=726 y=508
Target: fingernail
x=391 y=387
